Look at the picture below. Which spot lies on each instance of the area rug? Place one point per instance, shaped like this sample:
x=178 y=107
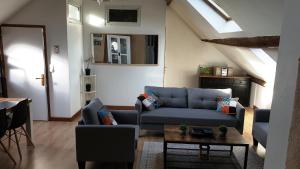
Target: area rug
x=152 y=157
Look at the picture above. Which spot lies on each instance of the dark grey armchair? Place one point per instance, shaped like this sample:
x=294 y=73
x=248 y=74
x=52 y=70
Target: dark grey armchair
x=103 y=143
x=260 y=126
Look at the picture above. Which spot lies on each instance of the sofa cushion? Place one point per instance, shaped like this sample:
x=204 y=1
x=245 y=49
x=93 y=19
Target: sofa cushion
x=188 y=116
x=170 y=97
x=260 y=132
x=199 y=98
x=89 y=112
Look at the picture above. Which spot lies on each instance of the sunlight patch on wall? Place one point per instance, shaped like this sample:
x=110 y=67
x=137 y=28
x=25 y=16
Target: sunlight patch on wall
x=20 y=60
x=213 y=18
x=268 y=68
x=95 y=21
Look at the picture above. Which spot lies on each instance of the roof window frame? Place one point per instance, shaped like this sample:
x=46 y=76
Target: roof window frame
x=218 y=9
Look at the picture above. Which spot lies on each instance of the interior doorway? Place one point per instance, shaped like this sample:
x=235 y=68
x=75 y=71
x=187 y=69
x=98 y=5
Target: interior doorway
x=26 y=66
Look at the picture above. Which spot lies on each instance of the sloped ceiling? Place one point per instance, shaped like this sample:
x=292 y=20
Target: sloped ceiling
x=255 y=17
x=9 y=7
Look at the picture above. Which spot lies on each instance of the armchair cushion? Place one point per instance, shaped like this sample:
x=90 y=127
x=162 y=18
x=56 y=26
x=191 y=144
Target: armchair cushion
x=89 y=112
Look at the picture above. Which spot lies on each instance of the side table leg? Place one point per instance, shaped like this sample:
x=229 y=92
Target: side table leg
x=246 y=156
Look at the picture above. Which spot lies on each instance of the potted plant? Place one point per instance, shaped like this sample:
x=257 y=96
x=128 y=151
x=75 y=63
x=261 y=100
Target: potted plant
x=183 y=129
x=87 y=69
x=88 y=87
x=223 y=130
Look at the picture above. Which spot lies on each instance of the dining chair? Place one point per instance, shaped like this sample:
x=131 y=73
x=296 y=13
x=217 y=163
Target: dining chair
x=20 y=114
x=3 y=128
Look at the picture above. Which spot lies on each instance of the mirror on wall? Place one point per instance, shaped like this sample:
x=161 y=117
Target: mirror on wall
x=124 y=49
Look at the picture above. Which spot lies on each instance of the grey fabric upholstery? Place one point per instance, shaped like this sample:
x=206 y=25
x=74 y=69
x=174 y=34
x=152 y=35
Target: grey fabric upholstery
x=199 y=98
x=89 y=112
x=125 y=116
x=261 y=115
x=261 y=126
x=240 y=115
x=260 y=132
x=202 y=117
x=171 y=97
x=198 y=108
x=106 y=143
x=138 y=106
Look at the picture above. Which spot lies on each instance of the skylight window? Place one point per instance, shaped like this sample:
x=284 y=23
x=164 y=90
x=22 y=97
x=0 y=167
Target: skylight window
x=218 y=9
x=215 y=16
x=263 y=56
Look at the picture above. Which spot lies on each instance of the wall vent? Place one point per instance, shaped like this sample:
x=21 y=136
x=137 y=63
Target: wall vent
x=123 y=15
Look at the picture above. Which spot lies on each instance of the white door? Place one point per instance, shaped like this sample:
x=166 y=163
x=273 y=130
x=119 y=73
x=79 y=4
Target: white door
x=119 y=49
x=24 y=57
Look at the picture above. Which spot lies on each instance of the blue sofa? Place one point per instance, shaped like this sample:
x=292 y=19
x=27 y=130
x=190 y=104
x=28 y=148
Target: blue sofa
x=106 y=143
x=260 y=126
x=191 y=106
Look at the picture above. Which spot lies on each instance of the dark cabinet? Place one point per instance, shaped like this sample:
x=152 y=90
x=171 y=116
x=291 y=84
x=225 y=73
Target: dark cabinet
x=240 y=86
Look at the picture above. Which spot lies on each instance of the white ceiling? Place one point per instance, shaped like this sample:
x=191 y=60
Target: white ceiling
x=10 y=7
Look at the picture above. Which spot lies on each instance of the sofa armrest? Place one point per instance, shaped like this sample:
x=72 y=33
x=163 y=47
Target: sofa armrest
x=261 y=115
x=125 y=116
x=240 y=115
x=138 y=106
x=105 y=143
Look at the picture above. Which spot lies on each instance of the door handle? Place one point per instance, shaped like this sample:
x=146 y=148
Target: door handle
x=42 y=78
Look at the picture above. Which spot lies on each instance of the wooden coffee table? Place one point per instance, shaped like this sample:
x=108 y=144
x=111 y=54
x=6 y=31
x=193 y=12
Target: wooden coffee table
x=172 y=134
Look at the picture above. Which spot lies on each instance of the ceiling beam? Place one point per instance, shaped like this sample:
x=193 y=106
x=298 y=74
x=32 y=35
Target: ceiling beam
x=169 y=2
x=249 y=42
x=257 y=80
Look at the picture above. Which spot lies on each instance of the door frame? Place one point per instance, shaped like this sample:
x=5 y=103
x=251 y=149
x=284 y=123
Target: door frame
x=46 y=63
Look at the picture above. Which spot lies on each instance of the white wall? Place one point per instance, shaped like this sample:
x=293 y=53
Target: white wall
x=285 y=87
x=51 y=13
x=75 y=54
x=7 y=8
x=120 y=85
x=185 y=52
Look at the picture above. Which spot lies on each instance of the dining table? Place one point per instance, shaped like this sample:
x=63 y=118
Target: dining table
x=9 y=103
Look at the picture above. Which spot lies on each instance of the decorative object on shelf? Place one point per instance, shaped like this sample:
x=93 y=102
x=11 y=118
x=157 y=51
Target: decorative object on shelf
x=88 y=87
x=217 y=71
x=87 y=102
x=87 y=69
x=206 y=70
x=224 y=71
x=183 y=128
x=223 y=130
x=229 y=71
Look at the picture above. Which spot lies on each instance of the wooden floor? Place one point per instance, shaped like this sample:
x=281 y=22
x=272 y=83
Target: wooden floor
x=54 y=146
